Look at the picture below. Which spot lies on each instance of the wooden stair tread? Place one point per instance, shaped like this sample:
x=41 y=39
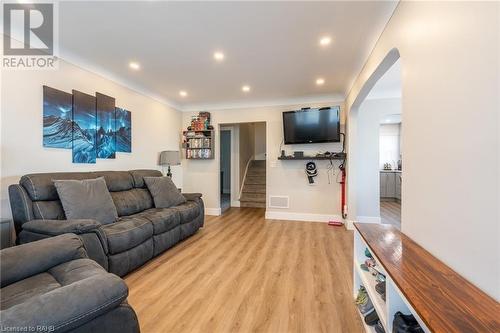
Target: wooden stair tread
x=254 y=188
x=253 y=193
x=443 y=299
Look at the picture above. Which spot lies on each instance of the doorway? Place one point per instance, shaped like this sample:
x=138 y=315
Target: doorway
x=242 y=165
x=375 y=128
x=225 y=169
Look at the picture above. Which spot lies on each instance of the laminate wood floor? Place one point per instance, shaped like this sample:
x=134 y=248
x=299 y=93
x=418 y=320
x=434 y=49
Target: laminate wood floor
x=242 y=273
x=390 y=213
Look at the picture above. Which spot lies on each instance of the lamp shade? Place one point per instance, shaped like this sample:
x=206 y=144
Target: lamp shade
x=170 y=157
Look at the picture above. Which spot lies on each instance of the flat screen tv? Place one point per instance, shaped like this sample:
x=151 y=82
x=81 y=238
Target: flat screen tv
x=312 y=125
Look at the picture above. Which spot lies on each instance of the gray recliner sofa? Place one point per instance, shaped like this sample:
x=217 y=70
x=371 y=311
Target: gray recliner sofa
x=141 y=232
x=51 y=286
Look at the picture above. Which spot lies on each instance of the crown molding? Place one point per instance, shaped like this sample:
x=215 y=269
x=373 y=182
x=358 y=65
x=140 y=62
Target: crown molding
x=333 y=98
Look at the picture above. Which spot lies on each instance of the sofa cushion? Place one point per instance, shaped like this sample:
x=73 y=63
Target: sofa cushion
x=127 y=233
x=132 y=201
x=67 y=307
x=48 y=210
x=116 y=180
x=75 y=270
x=188 y=211
x=163 y=219
x=22 y=290
x=86 y=199
x=39 y=284
x=165 y=193
x=40 y=186
x=139 y=175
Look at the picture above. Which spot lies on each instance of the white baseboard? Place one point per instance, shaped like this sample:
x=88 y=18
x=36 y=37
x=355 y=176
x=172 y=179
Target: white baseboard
x=213 y=211
x=301 y=217
x=349 y=224
x=368 y=219
x=235 y=203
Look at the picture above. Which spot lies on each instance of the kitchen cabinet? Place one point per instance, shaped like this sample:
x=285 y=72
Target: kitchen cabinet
x=390 y=184
x=398 y=186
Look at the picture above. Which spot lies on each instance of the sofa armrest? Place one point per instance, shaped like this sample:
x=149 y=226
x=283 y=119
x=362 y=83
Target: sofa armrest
x=59 y=227
x=20 y=262
x=192 y=196
x=90 y=232
x=21 y=206
x=69 y=306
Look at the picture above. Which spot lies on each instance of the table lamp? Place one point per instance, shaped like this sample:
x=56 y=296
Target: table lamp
x=170 y=157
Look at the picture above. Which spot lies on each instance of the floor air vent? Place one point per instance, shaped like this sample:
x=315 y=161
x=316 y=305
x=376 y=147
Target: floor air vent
x=276 y=201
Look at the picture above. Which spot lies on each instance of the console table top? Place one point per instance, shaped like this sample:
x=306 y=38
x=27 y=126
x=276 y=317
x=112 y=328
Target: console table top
x=443 y=299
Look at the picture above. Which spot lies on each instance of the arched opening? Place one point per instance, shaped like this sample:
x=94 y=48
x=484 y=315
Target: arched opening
x=374 y=136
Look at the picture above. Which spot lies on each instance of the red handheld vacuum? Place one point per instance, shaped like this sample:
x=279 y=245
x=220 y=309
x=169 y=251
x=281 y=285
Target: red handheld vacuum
x=342 y=200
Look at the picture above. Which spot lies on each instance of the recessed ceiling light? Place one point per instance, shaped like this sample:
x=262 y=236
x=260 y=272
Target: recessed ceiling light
x=219 y=56
x=324 y=41
x=134 y=65
x=183 y=93
x=245 y=88
x=320 y=81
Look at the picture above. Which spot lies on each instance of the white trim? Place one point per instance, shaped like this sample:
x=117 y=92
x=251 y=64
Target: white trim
x=245 y=176
x=301 y=217
x=334 y=98
x=235 y=203
x=349 y=224
x=213 y=211
x=368 y=219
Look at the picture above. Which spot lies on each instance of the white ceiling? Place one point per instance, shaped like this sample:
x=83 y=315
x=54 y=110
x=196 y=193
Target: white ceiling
x=271 y=46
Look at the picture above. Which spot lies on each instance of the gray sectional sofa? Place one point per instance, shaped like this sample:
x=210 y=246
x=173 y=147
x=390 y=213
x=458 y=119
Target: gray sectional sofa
x=141 y=232
x=51 y=286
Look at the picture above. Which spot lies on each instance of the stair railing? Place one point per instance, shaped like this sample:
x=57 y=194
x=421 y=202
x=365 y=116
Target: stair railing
x=245 y=176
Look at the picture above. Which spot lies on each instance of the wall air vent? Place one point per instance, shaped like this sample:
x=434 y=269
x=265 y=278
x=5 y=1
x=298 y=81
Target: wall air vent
x=276 y=201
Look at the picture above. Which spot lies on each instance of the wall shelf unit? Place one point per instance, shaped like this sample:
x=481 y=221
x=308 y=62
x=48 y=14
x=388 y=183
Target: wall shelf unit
x=198 y=145
x=336 y=156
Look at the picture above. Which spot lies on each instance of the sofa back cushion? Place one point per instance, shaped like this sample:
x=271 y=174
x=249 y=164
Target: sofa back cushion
x=132 y=201
x=46 y=204
x=86 y=199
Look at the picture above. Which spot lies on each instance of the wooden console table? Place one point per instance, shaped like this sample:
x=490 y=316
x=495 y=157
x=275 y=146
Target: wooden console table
x=418 y=283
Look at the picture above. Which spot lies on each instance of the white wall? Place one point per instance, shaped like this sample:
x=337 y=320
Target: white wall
x=367 y=141
x=155 y=127
x=260 y=141
x=318 y=202
x=450 y=100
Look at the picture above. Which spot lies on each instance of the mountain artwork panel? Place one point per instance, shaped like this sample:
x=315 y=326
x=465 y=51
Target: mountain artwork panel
x=105 y=135
x=91 y=126
x=57 y=118
x=123 y=130
x=84 y=128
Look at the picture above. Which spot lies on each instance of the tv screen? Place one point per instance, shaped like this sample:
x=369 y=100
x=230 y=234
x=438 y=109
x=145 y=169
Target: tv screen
x=312 y=125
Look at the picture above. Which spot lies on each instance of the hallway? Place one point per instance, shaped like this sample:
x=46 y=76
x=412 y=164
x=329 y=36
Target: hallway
x=390 y=213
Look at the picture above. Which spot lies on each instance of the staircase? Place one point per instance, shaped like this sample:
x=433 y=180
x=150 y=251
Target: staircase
x=254 y=188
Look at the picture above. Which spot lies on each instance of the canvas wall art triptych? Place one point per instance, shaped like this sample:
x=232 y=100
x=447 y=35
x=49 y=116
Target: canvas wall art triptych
x=91 y=126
